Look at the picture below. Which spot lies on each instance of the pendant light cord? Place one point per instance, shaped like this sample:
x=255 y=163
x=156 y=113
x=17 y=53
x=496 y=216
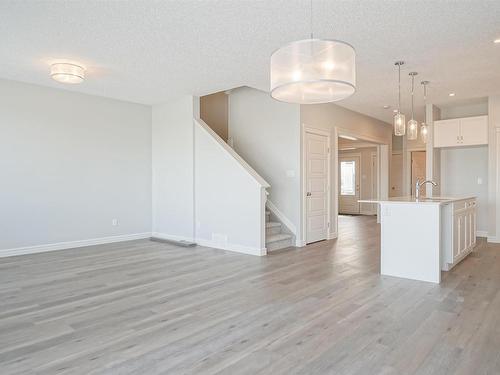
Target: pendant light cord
x=311 y=19
x=412 y=89
x=399 y=88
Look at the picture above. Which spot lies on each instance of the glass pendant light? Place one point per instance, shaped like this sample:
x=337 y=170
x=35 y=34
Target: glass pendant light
x=313 y=71
x=399 y=118
x=412 y=124
x=424 y=129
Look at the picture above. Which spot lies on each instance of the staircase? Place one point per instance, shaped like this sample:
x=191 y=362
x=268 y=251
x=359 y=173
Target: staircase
x=277 y=236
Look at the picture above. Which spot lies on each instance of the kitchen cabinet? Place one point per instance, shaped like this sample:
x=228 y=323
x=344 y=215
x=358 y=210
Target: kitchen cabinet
x=467 y=131
x=460 y=234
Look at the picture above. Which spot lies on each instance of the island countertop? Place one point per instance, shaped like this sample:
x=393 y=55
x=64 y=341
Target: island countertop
x=412 y=200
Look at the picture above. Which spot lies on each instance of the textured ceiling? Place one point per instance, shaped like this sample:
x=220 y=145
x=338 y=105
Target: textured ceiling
x=150 y=51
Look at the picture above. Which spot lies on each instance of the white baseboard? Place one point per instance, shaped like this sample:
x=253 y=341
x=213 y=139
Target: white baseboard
x=171 y=237
x=493 y=239
x=281 y=217
x=232 y=247
x=482 y=233
x=332 y=235
x=71 y=244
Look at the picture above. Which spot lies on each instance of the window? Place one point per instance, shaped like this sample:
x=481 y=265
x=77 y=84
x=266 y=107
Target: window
x=348 y=177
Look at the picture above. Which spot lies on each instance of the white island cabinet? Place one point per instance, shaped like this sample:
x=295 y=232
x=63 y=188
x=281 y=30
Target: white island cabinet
x=419 y=238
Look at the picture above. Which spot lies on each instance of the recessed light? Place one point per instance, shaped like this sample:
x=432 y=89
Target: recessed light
x=67 y=73
x=497 y=41
x=387 y=106
x=395 y=110
x=451 y=94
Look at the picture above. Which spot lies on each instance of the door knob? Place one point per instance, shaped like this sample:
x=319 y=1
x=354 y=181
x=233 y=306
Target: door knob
x=308 y=194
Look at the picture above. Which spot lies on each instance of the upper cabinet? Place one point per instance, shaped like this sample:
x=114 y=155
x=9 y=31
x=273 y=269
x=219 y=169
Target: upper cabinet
x=467 y=131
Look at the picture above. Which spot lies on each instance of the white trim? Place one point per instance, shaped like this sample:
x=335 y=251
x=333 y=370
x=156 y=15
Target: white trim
x=493 y=239
x=171 y=237
x=306 y=129
x=482 y=233
x=71 y=244
x=232 y=247
x=275 y=210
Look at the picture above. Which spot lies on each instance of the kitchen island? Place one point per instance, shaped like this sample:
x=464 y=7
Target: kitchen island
x=419 y=238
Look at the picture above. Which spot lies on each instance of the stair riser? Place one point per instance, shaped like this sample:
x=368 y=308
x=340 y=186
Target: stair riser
x=273 y=230
x=279 y=245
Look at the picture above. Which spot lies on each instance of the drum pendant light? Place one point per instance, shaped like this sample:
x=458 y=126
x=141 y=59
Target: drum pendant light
x=313 y=71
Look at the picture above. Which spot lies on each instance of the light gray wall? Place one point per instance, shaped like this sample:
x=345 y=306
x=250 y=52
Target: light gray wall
x=266 y=134
x=173 y=181
x=465 y=110
x=460 y=170
x=69 y=164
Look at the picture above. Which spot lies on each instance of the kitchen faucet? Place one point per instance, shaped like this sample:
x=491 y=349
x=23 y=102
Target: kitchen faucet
x=418 y=184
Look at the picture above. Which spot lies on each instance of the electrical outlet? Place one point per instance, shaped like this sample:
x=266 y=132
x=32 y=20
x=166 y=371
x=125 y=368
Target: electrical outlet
x=114 y=222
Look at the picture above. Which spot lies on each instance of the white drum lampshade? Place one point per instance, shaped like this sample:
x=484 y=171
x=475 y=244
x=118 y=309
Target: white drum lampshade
x=313 y=71
x=67 y=73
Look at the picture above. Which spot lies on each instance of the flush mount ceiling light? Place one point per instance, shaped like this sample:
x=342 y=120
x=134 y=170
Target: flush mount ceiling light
x=313 y=71
x=451 y=94
x=67 y=73
x=399 y=118
x=412 y=124
x=497 y=41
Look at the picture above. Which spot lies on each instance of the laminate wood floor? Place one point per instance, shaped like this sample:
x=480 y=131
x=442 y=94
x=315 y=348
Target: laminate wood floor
x=144 y=307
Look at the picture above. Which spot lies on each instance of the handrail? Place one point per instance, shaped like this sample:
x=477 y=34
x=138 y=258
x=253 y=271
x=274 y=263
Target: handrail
x=243 y=164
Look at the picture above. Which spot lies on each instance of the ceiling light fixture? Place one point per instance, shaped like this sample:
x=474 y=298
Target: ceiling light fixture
x=451 y=94
x=399 y=118
x=412 y=124
x=387 y=106
x=496 y=41
x=424 y=129
x=313 y=71
x=67 y=73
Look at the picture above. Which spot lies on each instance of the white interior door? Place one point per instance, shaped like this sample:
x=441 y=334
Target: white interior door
x=317 y=187
x=349 y=184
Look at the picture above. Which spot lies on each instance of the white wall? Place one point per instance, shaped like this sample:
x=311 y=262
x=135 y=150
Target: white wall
x=69 y=164
x=465 y=110
x=494 y=167
x=229 y=197
x=173 y=180
x=460 y=170
x=266 y=133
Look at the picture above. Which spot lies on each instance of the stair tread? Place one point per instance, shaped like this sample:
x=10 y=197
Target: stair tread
x=271 y=224
x=278 y=237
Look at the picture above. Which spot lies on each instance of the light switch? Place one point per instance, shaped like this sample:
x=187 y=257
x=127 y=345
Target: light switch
x=479 y=181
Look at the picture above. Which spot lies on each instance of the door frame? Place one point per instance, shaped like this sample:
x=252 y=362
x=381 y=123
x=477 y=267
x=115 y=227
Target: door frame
x=375 y=180
x=357 y=155
x=320 y=132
